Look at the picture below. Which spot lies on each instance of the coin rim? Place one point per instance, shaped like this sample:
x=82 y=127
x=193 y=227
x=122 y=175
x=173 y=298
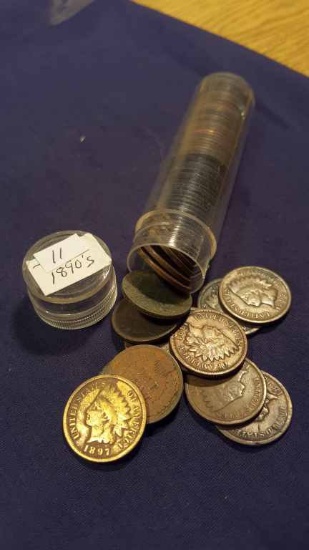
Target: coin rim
x=233 y=422
x=140 y=434
x=255 y=327
x=162 y=273
x=180 y=376
x=207 y=374
x=273 y=438
x=152 y=313
x=260 y=321
x=158 y=338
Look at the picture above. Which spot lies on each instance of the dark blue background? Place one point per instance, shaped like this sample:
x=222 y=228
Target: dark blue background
x=122 y=76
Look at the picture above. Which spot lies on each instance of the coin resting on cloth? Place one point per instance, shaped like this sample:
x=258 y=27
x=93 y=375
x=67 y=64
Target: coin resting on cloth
x=134 y=327
x=255 y=294
x=209 y=298
x=209 y=343
x=273 y=420
x=154 y=297
x=155 y=372
x=229 y=401
x=104 y=418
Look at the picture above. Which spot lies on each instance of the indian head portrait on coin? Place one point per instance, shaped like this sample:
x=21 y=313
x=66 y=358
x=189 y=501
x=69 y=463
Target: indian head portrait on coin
x=255 y=294
x=273 y=420
x=104 y=418
x=229 y=401
x=209 y=343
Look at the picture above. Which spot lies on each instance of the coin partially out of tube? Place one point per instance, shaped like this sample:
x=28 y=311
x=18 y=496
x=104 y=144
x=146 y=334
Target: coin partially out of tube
x=255 y=294
x=209 y=343
x=162 y=273
x=165 y=263
x=104 y=418
x=156 y=373
x=209 y=298
x=231 y=400
x=154 y=297
x=131 y=325
x=273 y=420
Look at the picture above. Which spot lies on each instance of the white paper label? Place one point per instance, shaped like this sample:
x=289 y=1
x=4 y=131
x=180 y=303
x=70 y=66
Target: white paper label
x=59 y=253
x=77 y=267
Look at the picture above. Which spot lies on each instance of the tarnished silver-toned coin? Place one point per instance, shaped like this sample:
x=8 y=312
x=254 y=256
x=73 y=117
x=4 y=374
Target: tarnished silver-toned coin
x=209 y=343
x=273 y=420
x=228 y=401
x=255 y=294
x=209 y=298
x=154 y=297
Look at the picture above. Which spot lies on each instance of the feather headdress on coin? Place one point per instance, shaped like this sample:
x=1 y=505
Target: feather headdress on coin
x=254 y=291
x=114 y=417
x=208 y=342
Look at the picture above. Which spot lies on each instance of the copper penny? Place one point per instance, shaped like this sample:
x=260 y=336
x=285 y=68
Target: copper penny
x=183 y=263
x=255 y=294
x=209 y=343
x=209 y=298
x=273 y=420
x=131 y=325
x=154 y=297
x=162 y=273
x=162 y=345
x=165 y=262
x=230 y=400
x=104 y=418
x=156 y=373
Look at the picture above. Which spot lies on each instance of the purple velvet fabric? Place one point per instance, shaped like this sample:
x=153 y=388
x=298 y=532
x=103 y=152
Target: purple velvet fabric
x=121 y=76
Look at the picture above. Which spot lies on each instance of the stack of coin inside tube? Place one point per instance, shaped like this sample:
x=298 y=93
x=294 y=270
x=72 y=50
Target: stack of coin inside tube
x=177 y=235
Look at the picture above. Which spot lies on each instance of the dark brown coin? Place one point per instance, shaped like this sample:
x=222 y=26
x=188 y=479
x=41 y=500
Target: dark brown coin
x=209 y=298
x=157 y=375
x=209 y=343
x=133 y=326
x=164 y=261
x=162 y=273
x=154 y=297
x=230 y=401
x=255 y=294
x=273 y=420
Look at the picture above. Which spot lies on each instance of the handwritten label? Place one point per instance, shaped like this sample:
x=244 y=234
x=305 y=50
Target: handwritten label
x=57 y=254
x=72 y=270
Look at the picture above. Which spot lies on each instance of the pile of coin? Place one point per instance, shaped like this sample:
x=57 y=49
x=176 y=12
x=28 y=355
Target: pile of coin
x=247 y=405
x=106 y=416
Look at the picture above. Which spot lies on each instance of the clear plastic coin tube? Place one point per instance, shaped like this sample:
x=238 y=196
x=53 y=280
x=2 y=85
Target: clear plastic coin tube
x=186 y=210
x=75 y=291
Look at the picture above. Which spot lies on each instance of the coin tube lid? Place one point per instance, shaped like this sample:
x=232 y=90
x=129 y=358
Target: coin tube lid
x=82 y=303
x=187 y=206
